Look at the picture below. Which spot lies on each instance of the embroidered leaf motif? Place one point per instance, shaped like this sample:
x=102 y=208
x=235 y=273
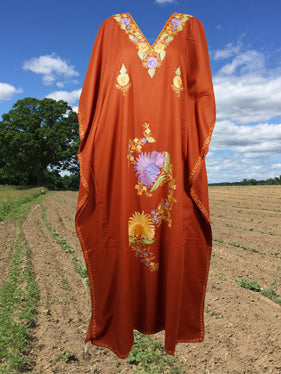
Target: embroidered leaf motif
x=141 y=54
x=131 y=37
x=178 y=71
x=179 y=28
x=157 y=183
x=170 y=38
x=118 y=18
x=164 y=35
x=123 y=27
x=151 y=72
x=167 y=162
x=150 y=139
x=162 y=55
x=132 y=240
x=123 y=69
x=147 y=241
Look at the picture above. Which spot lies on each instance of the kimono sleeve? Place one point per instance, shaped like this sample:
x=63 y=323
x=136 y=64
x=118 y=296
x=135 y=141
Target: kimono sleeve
x=88 y=110
x=202 y=105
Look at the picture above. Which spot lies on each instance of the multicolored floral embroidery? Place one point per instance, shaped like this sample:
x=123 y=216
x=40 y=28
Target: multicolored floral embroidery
x=123 y=80
x=177 y=82
x=152 y=55
x=153 y=170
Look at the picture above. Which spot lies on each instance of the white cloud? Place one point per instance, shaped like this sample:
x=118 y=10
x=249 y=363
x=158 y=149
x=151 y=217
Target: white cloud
x=7 y=91
x=231 y=49
x=247 y=98
x=243 y=152
x=51 y=67
x=75 y=108
x=69 y=97
x=248 y=62
x=262 y=139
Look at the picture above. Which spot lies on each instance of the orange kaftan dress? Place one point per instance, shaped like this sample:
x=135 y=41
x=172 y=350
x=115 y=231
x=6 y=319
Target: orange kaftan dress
x=146 y=116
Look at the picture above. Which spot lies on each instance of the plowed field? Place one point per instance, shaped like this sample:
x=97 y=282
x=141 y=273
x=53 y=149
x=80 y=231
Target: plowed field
x=242 y=327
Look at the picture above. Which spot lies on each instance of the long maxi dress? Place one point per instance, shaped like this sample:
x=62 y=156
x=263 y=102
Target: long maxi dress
x=146 y=116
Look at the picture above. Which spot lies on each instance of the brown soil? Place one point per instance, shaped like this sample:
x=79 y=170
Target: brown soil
x=7 y=236
x=242 y=327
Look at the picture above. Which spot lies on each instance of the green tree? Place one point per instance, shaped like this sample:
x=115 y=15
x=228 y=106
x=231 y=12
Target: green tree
x=37 y=135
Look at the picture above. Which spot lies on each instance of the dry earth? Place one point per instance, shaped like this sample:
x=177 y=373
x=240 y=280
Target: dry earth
x=242 y=327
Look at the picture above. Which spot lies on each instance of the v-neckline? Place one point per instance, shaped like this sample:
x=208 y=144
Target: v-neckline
x=162 y=30
x=152 y=55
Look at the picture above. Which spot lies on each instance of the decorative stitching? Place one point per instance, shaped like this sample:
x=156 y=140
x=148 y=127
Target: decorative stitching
x=123 y=80
x=177 y=82
x=153 y=170
x=152 y=55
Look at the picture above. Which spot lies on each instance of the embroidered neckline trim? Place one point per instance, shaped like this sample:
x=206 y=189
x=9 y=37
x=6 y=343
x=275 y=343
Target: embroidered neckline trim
x=152 y=55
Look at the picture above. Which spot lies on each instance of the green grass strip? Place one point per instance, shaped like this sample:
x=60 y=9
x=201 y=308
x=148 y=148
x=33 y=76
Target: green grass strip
x=254 y=286
x=19 y=295
x=12 y=197
x=81 y=269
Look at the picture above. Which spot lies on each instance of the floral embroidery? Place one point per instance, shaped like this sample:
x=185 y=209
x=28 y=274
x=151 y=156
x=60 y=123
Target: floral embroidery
x=177 y=82
x=153 y=170
x=123 y=80
x=152 y=55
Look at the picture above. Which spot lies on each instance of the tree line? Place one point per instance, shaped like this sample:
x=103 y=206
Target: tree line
x=250 y=182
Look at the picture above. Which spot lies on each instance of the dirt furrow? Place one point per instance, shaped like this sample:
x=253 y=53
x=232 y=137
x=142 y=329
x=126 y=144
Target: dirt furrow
x=7 y=235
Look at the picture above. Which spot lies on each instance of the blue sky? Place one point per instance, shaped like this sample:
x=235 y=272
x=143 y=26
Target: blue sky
x=46 y=45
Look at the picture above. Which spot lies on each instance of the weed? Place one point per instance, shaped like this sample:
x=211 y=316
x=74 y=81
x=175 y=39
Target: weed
x=67 y=356
x=254 y=286
x=245 y=247
x=218 y=240
x=149 y=357
x=212 y=313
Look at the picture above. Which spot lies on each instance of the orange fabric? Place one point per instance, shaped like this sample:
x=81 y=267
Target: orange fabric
x=146 y=116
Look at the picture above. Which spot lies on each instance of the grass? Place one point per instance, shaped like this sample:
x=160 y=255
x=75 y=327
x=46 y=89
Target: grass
x=12 y=197
x=148 y=356
x=19 y=295
x=254 y=286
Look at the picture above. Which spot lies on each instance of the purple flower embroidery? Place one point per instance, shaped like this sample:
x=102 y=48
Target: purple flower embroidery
x=147 y=166
x=176 y=22
x=126 y=20
x=167 y=204
x=152 y=62
x=167 y=40
x=144 y=140
x=142 y=40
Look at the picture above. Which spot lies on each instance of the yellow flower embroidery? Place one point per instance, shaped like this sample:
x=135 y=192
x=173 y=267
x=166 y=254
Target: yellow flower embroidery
x=159 y=47
x=143 y=47
x=141 y=225
x=123 y=80
x=153 y=170
x=177 y=82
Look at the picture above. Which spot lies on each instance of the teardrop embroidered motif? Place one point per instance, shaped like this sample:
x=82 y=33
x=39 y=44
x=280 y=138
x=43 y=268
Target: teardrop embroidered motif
x=123 y=80
x=177 y=82
x=152 y=55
